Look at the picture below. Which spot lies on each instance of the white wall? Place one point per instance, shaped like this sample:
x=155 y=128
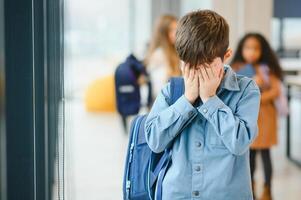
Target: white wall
x=245 y=16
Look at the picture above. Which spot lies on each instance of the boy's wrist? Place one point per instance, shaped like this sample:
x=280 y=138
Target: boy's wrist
x=206 y=98
x=190 y=99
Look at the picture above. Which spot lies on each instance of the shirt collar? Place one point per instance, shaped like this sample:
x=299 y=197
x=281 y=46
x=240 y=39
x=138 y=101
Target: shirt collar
x=229 y=81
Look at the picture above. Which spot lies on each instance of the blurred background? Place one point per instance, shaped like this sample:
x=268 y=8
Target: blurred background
x=99 y=35
x=74 y=52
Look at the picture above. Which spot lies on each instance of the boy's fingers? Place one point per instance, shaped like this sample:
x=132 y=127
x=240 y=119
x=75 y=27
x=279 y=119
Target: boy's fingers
x=201 y=78
x=212 y=72
x=208 y=71
x=186 y=70
x=216 y=70
x=191 y=74
x=182 y=66
x=217 y=62
x=220 y=73
x=196 y=76
x=204 y=73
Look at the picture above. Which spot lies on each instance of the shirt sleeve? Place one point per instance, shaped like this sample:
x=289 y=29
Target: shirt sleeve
x=236 y=129
x=165 y=122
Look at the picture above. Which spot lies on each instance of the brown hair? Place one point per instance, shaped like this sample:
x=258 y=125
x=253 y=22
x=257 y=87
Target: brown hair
x=267 y=55
x=202 y=36
x=161 y=39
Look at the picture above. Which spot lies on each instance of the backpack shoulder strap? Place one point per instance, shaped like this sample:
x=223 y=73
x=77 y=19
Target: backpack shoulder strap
x=176 y=89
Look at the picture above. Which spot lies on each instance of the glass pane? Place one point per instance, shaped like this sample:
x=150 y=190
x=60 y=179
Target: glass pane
x=99 y=35
x=292 y=32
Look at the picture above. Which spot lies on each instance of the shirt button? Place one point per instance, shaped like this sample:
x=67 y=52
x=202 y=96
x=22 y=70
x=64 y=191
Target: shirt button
x=205 y=110
x=197 y=168
x=198 y=144
x=195 y=193
x=190 y=113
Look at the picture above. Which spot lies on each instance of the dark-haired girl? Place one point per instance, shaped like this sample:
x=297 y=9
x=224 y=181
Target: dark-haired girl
x=254 y=57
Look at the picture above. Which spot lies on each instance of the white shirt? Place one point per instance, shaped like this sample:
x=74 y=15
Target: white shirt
x=158 y=70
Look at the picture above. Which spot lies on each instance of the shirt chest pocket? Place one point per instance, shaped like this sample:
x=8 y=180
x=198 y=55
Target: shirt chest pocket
x=212 y=137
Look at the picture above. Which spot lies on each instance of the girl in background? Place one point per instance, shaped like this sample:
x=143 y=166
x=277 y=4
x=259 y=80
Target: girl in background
x=254 y=52
x=162 y=61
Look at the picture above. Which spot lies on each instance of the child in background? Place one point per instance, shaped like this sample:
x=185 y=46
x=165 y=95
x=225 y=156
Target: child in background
x=210 y=156
x=254 y=53
x=162 y=61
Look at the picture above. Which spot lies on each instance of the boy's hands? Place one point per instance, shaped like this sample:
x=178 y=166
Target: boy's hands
x=203 y=81
x=210 y=77
x=191 y=82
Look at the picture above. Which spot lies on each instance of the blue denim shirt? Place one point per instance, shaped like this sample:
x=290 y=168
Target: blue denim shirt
x=210 y=159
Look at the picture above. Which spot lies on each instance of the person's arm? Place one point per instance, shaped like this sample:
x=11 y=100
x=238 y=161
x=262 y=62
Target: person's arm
x=164 y=122
x=262 y=77
x=236 y=129
x=273 y=92
x=259 y=81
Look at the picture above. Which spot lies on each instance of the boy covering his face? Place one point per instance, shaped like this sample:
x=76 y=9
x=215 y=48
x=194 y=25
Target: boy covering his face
x=219 y=110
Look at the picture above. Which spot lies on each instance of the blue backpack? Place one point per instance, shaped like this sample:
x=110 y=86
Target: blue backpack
x=144 y=169
x=127 y=89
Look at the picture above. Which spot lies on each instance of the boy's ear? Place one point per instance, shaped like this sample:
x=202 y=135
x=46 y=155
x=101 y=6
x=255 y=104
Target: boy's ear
x=227 y=55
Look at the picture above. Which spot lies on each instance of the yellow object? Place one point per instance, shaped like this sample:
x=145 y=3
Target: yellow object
x=100 y=95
